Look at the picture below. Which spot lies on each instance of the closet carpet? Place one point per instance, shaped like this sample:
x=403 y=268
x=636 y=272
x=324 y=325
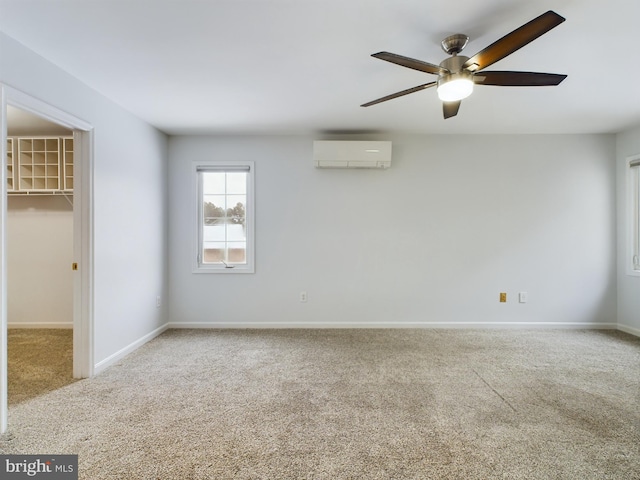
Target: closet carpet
x=40 y=361
x=349 y=404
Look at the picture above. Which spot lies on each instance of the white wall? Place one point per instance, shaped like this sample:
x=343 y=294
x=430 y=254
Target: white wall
x=40 y=253
x=431 y=241
x=627 y=144
x=129 y=200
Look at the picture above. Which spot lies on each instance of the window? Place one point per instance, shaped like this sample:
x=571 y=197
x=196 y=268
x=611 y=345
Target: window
x=224 y=217
x=634 y=209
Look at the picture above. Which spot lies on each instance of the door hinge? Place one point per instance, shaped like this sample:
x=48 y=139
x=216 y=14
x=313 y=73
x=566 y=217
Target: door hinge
x=74 y=266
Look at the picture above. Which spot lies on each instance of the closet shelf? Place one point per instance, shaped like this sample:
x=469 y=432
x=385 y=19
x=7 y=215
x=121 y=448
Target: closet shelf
x=40 y=165
x=41 y=192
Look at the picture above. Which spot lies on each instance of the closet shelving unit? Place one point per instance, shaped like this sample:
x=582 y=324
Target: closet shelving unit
x=67 y=156
x=10 y=183
x=40 y=165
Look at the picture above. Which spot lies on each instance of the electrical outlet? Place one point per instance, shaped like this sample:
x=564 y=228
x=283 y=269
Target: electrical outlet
x=158 y=301
x=303 y=297
x=503 y=297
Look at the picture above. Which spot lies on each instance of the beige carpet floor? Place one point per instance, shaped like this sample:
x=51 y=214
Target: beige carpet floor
x=39 y=361
x=350 y=404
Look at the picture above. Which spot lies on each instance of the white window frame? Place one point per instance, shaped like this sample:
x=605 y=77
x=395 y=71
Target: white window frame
x=633 y=205
x=197 y=265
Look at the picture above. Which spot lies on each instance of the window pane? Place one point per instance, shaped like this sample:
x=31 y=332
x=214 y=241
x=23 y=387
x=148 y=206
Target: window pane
x=213 y=182
x=237 y=245
x=236 y=233
x=214 y=252
x=237 y=183
x=213 y=209
x=214 y=233
x=236 y=209
x=217 y=200
x=237 y=255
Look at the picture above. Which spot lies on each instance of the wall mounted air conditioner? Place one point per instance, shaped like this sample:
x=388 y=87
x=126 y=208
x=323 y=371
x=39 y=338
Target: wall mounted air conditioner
x=351 y=154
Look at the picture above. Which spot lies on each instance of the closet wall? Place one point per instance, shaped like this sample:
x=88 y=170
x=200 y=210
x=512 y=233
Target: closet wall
x=40 y=253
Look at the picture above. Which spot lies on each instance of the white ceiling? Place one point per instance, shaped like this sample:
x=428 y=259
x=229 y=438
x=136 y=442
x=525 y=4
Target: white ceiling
x=299 y=66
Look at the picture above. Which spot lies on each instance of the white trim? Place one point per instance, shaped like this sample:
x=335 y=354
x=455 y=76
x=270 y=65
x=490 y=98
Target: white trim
x=83 y=345
x=68 y=325
x=630 y=330
x=23 y=101
x=388 y=325
x=83 y=235
x=4 y=360
x=633 y=195
x=112 y=359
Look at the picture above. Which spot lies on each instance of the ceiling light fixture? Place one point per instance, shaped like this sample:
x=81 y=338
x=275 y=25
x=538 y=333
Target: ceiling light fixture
x=455 y=86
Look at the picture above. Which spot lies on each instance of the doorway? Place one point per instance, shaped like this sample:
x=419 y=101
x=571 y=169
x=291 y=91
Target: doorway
x=39 y=255
x=82 y=277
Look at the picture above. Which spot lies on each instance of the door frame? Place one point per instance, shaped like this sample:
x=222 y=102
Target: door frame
x=83 y=345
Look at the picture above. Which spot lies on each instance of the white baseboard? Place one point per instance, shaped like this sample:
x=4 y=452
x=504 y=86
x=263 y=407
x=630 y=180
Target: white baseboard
x=40 y=325
x=628 y=329
x=110 y=360
x=468 y=325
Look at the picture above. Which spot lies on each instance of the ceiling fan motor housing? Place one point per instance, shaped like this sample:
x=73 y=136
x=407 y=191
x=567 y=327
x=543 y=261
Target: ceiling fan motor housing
x=454 y=64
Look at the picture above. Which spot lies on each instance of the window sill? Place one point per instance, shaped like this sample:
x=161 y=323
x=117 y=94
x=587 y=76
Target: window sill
x=223 y=270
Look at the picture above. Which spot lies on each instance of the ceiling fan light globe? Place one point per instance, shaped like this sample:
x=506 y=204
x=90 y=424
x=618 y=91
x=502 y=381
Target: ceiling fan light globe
x=454 y=88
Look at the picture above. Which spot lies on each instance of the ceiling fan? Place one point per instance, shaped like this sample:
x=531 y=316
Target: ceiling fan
x=458 y=74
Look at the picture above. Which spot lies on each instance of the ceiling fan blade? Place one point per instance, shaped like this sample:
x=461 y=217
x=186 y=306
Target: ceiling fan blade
x=518 y=79
x=514 y=41
x=410 y=63
x=450 y=109
x=399 y=94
